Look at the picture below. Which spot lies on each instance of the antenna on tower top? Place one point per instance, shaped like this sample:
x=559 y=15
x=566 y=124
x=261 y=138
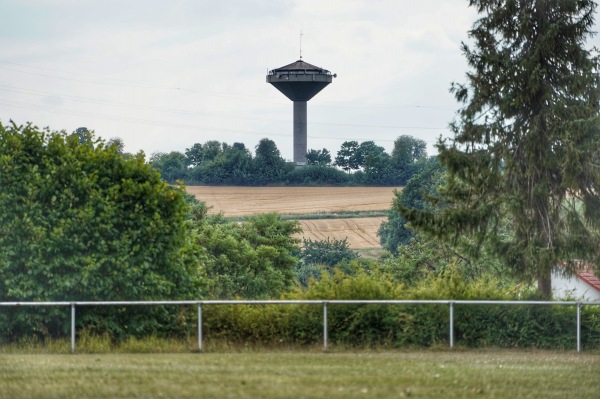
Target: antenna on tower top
x=300 y=44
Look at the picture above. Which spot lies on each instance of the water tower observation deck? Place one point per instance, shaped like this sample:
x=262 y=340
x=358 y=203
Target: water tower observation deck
x=300 y=81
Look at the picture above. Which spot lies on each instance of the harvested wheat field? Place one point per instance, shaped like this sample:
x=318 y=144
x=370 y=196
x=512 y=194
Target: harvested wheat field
x=360 y=232
x=243 y=201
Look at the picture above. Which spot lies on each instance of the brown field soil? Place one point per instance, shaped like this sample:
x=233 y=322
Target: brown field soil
x=242 y=201
x=360 y=232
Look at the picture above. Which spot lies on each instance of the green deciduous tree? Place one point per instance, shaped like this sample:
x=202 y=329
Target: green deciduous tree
x=194 y=155
x=233 y=165
x=525 y=148
x=318 y=157
x=253 y=259
x=172 y=166
x=407 y=157
x=211 y=149
x=377 y=166
x=323 y=256
x=326 y=252
x=269 y=166
x=365 y=149
x=314 y=175
x=422 y=186
x=80 y=222
x=83 y=135
x=118 y=143
x=408 y=149
x=346 y=158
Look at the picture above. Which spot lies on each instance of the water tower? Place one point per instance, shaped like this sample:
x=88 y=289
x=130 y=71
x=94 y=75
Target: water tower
x=300 y=81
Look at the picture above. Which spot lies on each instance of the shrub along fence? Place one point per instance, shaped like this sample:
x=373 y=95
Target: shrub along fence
x=550 y=324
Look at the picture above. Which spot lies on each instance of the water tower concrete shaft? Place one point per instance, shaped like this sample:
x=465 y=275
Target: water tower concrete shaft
x=300 y=81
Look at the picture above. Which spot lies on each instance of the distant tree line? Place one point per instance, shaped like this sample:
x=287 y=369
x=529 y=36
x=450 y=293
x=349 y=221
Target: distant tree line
x=366 y=163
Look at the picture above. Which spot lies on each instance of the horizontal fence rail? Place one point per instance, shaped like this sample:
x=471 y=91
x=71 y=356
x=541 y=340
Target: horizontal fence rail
x=323 y=303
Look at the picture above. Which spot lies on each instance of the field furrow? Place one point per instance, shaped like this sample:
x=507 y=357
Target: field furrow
x=360 y=232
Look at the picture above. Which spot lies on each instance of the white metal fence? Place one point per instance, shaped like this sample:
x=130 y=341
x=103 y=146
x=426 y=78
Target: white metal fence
x=323 y=303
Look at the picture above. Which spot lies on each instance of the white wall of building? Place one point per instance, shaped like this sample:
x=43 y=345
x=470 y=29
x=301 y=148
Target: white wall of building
x=573 y=288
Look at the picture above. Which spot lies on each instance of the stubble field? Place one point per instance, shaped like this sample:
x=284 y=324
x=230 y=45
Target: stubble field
x=361 y=232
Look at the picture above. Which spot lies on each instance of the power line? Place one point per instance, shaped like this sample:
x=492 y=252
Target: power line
x=109 y=117
x=234 y=96
x=154 y=123
x=198 y=113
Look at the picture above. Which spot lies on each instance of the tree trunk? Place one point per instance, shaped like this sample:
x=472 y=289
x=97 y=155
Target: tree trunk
x=545 y=284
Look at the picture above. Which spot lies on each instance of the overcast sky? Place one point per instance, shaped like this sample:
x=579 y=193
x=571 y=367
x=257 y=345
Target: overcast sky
x=163 y=75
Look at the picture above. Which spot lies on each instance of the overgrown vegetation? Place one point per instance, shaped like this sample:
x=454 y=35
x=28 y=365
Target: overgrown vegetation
x=398 y=326
x=317 y=257
x=252 y=259
x=78 y=221
x=216 y=163
x=417 y=194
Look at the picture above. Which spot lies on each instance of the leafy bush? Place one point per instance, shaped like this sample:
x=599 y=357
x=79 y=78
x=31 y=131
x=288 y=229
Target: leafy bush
x=78 y=221
x=254 y=259
x=422 y=186
x=524 y=326
x=327 y=252
x=305 y=272
x=317 y=175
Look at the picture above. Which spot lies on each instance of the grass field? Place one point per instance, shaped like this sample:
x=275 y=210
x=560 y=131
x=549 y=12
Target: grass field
x=424 y=374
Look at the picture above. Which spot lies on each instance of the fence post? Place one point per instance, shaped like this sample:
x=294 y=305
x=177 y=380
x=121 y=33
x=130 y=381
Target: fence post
x=578 y=326
x=199 y=327
x=451 y=303
x=324 y=325
x=72 y=327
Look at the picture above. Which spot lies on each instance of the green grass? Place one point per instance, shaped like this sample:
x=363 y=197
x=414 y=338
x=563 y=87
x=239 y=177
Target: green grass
x=309 y=374
x=322 y=215
x=372 y=253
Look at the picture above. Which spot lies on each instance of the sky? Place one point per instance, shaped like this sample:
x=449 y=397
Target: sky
x=164 y=75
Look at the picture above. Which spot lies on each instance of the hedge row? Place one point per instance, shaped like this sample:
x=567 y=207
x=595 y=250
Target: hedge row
x=371 y=325
x=393 y=325
x=397 y=326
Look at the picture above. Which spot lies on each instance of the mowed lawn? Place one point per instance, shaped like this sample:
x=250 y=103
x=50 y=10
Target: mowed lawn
x=422 y=374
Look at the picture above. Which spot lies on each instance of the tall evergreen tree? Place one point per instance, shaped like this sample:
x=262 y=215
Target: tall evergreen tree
x=526 y=140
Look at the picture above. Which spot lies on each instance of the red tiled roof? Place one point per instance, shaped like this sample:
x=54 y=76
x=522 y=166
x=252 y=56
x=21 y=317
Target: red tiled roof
x=585 y=274
x=590 y=278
